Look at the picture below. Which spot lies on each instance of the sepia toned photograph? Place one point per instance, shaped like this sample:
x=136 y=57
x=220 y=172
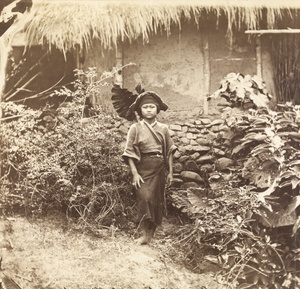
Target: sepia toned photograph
x=149 y=144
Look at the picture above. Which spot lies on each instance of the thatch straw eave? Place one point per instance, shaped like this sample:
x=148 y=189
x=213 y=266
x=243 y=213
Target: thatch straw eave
x=66 y=24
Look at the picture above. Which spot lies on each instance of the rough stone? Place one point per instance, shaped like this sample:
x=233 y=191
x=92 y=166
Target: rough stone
x=182 y=159
x=190 y=136
x=185 y=128
x=212 y=135
x=188 y=185
x=223 y=163
x=193 y=142
x=181 y=150
x=188 y=148
x=201 y=149
x=118 y=124
x=191 y=165
x=106 y=125
x=177 y=154
x=208 y=168
x=175 y=127
x=205 y=121
x=191 y=176
x=171 y=132
x=219 y=152
x=217 y=122
x=223 y=128
x=203 y=141
x=177 y=167
x=193 y=130
x=189 y=124
x=177 y=182
x=215 y=129
x=180 y=134
x=205 y=159
x=194 y=156
x=185 y=141
x=175 y=138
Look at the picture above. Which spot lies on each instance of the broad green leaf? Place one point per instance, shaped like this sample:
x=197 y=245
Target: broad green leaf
x=256 y=151
x=263 y=179
x=255 y=136
x=295 y=183
x=293 y=205
x=296 y=227
x=240 y=92
x=245 y=286
x=260 y=100
x=256 y=129
x=240 y=250
x=212 y=259
x=294 y=135
x=294 y=163
x=240 y=147
x=268 y=192
x=285 y=184
x=234 y=83
x=286 y=174
x=260 y=137
x=269 y=132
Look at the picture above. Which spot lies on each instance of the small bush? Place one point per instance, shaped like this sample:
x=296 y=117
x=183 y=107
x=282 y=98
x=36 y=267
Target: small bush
x=59 y=160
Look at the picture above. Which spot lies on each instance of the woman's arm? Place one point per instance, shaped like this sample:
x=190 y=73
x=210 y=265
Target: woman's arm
x=170 y=174
x=136 y=178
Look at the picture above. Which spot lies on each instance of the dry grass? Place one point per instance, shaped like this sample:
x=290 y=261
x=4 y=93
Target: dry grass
x=48 y=255
x=66 y=24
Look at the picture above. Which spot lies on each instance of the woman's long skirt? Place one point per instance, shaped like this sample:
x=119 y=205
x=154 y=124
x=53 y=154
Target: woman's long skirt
x=150 y=196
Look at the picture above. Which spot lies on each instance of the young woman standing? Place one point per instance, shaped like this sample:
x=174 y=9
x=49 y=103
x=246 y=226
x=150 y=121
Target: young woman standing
x=149 y=152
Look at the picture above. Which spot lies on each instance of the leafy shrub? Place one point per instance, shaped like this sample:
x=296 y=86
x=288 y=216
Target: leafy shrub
x=268 y=141
x=73 y=163
x=243 y=91
x=250 y=232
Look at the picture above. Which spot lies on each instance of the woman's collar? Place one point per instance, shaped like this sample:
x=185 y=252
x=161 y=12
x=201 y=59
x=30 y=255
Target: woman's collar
x=151 y=124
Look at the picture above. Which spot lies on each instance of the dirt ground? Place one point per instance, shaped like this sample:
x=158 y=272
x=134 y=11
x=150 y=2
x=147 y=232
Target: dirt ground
x=47 y=254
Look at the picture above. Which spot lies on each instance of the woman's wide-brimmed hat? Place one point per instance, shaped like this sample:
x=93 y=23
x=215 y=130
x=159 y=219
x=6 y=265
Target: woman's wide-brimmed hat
x=137 y=103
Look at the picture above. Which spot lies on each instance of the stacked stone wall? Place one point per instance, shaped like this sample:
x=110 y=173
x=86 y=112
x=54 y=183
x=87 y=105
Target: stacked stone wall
x=202 y=151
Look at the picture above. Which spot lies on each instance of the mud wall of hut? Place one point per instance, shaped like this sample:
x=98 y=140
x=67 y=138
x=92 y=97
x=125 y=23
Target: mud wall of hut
x=176 y=68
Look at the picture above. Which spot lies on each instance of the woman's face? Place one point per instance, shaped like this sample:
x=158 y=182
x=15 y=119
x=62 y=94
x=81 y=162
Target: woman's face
x=149 y=111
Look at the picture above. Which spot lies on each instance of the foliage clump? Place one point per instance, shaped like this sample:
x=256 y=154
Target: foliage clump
x=249 y=229
x=244 y=91
x=57 y=159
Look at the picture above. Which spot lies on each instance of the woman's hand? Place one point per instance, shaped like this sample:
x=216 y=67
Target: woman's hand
x=169 y=180
x=137 y=180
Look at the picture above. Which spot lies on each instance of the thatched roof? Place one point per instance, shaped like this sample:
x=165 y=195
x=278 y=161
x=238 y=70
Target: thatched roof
x=66 y=23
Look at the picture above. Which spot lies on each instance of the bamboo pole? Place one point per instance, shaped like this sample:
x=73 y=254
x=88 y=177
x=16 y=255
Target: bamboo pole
x=4 y=51
x=273 y=31
x=119 y=63
x=206 y=68
x=41 y=93
x=23 y=86
x=258 y=58
x=7 y=94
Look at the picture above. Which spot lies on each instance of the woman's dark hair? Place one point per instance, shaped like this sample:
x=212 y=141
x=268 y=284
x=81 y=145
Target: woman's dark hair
x=139 y=112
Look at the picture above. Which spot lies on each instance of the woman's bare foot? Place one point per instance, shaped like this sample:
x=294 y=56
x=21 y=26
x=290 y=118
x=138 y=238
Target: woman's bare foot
x=143 y=240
